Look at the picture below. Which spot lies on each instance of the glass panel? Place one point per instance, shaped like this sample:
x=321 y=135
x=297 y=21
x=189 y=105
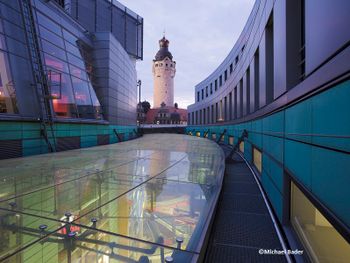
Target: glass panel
x=18 y=230
x=77 y=72
x=76 y=196
x=52 y=37
x=95 y=103
x=53 y=49
x=49 y=24
x=62 y=94
x=257 y=159
x=90 y=245
x=159 y=210
x=83 y=99
x=55 y=63
x=323 y=242
x=8 y=102
x=77 y=61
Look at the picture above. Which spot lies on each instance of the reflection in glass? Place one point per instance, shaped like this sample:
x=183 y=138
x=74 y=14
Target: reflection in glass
x=83 y=99
x=322 y=240
x=62 y=94
x=7 y=89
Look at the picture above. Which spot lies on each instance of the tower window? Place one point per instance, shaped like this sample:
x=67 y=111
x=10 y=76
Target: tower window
x=156 y=65
x=171 y=65
x=166 y=64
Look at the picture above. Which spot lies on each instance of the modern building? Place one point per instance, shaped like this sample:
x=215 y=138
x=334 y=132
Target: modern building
x=67 y=74
x=164 y=69
x=286 y=82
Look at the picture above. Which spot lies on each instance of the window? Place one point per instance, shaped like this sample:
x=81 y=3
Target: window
x=230 y=106
x=197 y=95
x=61 y=90
x=220 y=81
x=231 y=68
x=8 y=102
x=236 y=60
x=241 y=147
x=225 y=75
x=216 y=85
x=166 y=64
x=211 y=88
x=257 y=159
x=206 y=91
x=230 y=140
x=202 y=94
x=322 y=241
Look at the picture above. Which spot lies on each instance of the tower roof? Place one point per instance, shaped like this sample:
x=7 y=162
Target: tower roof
x=163 y=51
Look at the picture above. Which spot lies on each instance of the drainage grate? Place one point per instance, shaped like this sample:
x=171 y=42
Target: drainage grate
x=243 y=203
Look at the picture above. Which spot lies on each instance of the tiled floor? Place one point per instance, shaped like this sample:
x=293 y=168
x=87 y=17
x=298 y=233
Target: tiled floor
x=144 y=194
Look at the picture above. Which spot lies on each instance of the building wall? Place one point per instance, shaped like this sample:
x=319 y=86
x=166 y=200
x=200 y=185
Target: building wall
x=82 y=71
x=289 y=88
x=163 y=81
x=115 y=80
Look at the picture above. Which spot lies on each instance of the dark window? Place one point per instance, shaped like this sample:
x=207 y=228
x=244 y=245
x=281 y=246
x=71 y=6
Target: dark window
x=269 y=61
x=211 y=88
x=236 y=60
x=206 y=91
x=197 y=95
x=231 y=68
x=230 y=105
x=220 y=81
x=202 y=94
x=216 y=85
x=225 y=75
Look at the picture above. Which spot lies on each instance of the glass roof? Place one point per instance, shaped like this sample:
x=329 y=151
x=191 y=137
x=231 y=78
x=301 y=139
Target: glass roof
x=135 y=201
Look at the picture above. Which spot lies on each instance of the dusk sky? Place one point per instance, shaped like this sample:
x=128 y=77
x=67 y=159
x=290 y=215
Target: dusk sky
x=201 y=34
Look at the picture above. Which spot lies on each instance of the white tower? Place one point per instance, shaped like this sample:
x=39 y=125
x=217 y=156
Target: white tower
x=163 y=75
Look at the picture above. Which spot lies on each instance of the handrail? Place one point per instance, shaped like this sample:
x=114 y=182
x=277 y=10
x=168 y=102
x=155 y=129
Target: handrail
x=221 y=136
x=117 y=134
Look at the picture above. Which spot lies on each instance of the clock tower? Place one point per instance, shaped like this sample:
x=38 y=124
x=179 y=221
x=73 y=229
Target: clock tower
x=164 y=69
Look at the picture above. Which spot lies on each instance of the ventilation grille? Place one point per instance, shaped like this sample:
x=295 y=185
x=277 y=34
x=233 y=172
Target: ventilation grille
x=102 y=139
x=68 y=143
x=10 y=149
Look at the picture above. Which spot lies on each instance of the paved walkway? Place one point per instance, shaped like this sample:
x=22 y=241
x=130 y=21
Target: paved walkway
x=242 y=223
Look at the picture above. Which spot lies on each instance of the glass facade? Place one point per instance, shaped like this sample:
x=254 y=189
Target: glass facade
x=322 y=240
x=8 y=103
x=69 y=71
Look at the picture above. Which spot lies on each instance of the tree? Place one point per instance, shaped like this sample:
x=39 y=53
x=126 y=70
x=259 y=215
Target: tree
x=146 y=106
x=176 y=106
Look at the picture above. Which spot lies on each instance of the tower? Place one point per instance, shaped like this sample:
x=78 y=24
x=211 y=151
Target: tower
x=163 y=75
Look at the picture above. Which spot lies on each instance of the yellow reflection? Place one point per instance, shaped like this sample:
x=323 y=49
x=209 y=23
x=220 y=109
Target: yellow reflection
x=257 y=159
x=320 y=238
x=241 y=147
x=230 y=140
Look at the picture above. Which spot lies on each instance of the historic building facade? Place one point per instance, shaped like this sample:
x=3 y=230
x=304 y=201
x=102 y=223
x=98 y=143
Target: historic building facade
x=164 y=69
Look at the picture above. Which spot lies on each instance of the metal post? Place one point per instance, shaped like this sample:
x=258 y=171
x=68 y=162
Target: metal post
x=169 y=259
x=179 y=241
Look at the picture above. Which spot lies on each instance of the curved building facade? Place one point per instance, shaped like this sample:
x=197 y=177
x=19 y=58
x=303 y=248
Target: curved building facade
x=286 y=82
x=67 y=74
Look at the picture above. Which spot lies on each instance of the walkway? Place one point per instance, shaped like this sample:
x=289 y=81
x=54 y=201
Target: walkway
x=135 y=201
x=242 y=225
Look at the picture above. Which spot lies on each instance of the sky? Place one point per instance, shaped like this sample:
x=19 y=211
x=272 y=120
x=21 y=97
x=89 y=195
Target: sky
x=201 y=34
